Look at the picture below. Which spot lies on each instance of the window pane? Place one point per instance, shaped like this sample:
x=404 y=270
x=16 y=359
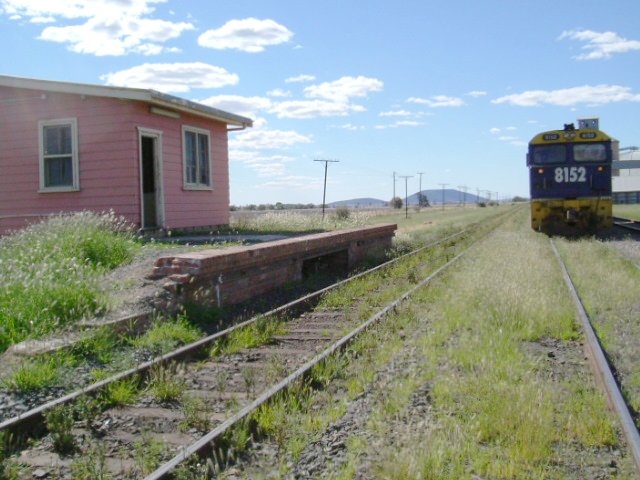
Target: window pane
x=203 y=150
x=549 y=154
x=57 y=140
x=589 y=152
x=58 y=172
x=191 y=156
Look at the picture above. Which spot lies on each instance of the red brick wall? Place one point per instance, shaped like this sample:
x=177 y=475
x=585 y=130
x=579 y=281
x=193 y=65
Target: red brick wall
x=235 y=274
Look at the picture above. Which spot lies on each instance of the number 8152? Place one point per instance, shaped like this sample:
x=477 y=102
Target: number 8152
x=570 y=174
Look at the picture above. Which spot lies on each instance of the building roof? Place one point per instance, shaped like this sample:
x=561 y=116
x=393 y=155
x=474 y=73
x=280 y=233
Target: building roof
x=150 y=96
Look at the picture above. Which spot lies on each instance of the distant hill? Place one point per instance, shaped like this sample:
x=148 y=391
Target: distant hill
x=434 y=196
x=359 y=202
x=450 y=196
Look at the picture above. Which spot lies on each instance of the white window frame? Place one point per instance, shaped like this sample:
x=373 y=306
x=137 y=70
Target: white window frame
x=75 y=185
x=196 y=186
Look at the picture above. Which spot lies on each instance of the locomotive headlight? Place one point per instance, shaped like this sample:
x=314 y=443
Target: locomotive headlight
x=541 y=170
x=600 y=169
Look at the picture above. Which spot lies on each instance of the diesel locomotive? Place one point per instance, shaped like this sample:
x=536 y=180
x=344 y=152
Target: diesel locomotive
x=570 y=180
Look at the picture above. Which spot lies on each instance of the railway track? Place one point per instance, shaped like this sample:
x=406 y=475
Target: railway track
x=190 y=399
x=627 y=224
x=602 y=369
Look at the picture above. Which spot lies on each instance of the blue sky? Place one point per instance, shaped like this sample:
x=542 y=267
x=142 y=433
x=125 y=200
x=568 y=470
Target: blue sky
x=454 y=89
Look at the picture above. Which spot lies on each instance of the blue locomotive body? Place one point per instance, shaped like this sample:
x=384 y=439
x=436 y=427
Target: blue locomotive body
x=570 y=181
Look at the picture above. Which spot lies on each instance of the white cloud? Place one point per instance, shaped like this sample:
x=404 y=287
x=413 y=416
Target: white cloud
x=494 y=130
x=437 y=101
x=477 y=93
x=267 y=140
x=344 y=88
x=279 y=92
x=600 y=44
x=111 y=27
x=300 y=78
x=42 y=20
x=172 y=77
x=396 y=113
x=263 y=165
x=349 y=126
x=248 y=35
x=408 y=123
x=587 y=94
x=314 y=108
x=400 y=123
x=245 y=106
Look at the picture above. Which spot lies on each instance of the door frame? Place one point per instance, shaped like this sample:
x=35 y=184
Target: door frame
x=156 y=135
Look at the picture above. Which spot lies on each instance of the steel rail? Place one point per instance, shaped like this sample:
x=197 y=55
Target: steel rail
x=206 y=444
x=601 y=366
x=30 y=419
x=627 y=223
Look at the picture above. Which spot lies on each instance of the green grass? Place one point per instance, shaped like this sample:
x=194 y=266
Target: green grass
x=49 y=272
x=254 y=335
x=166 y=383
x=147 y=454
x=120 y=393
x=496 y=409
x=167 y=334
x=499 y=414
x=59 y=422
x=91 y=465
x=37 y=374
x=627 y=211
x=609 y=286
x=98 y=345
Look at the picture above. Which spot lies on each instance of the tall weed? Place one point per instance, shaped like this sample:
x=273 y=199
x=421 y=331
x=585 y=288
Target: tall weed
x=49 y=272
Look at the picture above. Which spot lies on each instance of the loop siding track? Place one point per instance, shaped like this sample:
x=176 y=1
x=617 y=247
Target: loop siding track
x=627 y=224
x=206 y=445
x=601 y=367
x=33 y=419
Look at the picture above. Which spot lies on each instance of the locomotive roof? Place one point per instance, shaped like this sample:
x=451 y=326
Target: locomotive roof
x=564 y=136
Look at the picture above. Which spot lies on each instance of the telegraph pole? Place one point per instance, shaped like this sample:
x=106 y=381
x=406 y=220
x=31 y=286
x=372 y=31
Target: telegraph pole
x=324 y=192
x=406 y=205
x=443 y=185
x=394 y=185
x=420 y=191
x=478 y=196
x=464 y=196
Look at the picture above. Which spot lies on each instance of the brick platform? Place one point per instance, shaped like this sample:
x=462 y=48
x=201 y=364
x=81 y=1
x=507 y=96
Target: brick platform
x=235 y=274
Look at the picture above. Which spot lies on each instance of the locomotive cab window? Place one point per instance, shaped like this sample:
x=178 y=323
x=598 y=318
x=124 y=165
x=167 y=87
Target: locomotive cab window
x=549 y=154
x=590 y=152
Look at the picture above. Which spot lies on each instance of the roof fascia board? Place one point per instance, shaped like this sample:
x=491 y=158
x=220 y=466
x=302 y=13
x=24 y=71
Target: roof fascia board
x=126 y=93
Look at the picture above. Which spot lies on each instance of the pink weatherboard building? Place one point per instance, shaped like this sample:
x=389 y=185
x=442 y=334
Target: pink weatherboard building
x=158 y=160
